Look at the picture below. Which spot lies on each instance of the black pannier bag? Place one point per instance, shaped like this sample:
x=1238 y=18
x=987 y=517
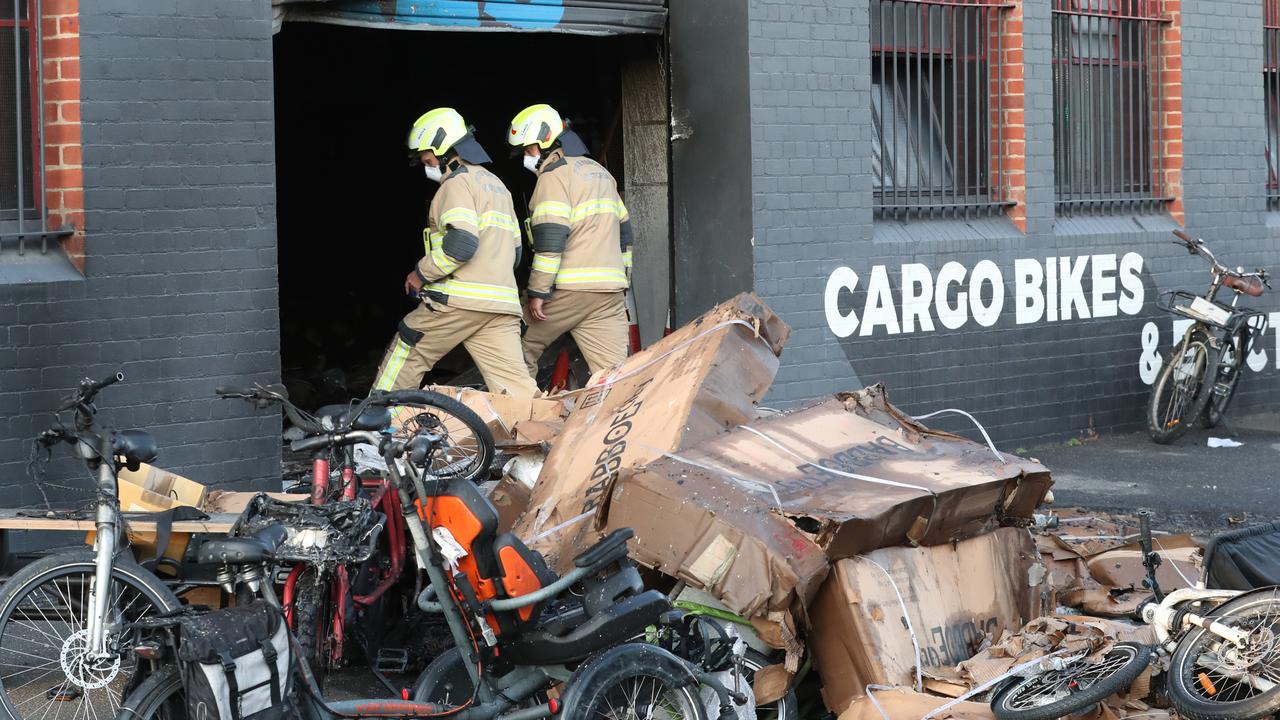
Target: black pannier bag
x=235 y=664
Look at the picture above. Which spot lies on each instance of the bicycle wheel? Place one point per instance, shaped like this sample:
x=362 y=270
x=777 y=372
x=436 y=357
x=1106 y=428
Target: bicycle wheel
x=445 y=681
x=465 y=449
x=786 y=707
x=311 y=622
x=1079 y=685
x=159 y=697
x=1211 y=678
x=629 y=681
x=44 y=668
x=1180 y=391
x=1230 y=365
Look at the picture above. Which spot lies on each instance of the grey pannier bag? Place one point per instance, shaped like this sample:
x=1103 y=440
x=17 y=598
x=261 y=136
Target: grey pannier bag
x=235 y=664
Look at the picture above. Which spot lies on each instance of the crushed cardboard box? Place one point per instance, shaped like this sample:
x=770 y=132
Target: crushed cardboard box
x=754 y=516
x=697 y=382
x=950 y=597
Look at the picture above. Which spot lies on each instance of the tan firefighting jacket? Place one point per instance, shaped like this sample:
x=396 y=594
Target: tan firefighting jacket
x=582 y=234
x=472 y=242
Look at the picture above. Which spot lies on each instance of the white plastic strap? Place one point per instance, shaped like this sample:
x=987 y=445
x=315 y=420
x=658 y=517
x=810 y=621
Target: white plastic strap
x=906 y=617
x=972 y=419
x=557 y=528
x=745 y=483
x=854 y=476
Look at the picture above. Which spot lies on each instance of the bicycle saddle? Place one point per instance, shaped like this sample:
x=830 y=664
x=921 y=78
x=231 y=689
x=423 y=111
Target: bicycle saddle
x=259 y=547
x=135 y=446
x=1250 y=286
x=373 y=418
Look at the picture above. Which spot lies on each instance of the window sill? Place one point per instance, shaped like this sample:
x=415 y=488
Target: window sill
x=1122 y=222
x=994 y=227
x=34 y=267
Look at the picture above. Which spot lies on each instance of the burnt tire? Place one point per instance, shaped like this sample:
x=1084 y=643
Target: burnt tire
x=1080 y=685
x=311 y=626
x=467 y=449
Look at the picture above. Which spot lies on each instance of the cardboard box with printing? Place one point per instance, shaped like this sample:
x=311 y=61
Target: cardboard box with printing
x=700 y=381
x=952 y=597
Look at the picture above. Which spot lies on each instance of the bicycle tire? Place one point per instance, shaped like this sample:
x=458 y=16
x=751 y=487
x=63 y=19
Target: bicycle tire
x=311 y=622
x=1187 y=689
x=159 y=697
x=1165 y=430
x=480 y=458
x=786 y=707
x=1130 y=660
x=1216 y=408
x=602 y=679
x=20 y=591
x=445 y=680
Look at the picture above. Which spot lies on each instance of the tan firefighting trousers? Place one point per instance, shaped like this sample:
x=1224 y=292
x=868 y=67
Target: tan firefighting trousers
x=597 y=321
x=431 y=331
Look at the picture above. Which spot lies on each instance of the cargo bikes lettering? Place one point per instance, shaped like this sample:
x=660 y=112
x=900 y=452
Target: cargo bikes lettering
x=825 y=472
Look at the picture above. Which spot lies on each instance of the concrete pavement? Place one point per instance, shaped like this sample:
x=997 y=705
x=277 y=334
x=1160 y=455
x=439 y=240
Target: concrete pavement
x=1186 y=484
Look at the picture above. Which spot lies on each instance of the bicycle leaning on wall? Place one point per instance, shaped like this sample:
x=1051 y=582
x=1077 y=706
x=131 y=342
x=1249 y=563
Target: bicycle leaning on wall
x=1200 y=376
x=61 y=617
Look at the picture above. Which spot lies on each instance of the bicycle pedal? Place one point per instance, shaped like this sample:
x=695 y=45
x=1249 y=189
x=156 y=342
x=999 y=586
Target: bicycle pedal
x=393 y=660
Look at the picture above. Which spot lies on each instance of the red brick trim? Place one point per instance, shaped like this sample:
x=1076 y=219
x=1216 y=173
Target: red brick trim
x=64 y=171
x=1008 y=110
x=1169 y=78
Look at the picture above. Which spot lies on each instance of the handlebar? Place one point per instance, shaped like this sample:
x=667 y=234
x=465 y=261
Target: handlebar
x=87 y=391
x=353 y=437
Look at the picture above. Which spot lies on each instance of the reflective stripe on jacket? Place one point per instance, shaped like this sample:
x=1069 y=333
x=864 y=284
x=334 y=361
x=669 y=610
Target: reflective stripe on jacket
x=581 y=230
x=472 y=242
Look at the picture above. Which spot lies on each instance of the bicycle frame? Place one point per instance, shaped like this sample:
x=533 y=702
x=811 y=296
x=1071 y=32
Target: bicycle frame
x=1161 y=617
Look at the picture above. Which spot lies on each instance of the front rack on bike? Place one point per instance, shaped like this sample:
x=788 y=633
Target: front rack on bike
x=1169 y=301
x=339 y=532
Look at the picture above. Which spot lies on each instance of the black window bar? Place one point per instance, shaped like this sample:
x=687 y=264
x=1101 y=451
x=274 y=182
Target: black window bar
x=1271 y=93
x=937 y=111
x=1108 y=105
x=22 y=181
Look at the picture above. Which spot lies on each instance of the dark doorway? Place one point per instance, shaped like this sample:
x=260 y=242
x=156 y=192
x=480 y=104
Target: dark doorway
x=350 y=208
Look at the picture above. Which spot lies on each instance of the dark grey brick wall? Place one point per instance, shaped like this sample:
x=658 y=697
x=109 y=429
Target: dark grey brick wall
x=812 y=142
x=180 y=289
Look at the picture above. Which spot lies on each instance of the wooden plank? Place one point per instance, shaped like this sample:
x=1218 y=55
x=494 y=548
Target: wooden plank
x=219 y=523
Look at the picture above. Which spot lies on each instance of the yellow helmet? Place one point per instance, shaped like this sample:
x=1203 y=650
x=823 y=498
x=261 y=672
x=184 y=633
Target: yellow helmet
x=437 y=130
x=537 y=125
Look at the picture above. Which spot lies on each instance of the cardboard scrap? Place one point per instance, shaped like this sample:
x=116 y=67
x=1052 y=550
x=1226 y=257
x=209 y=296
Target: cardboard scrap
x=953 y=597
x=1046 y=635
x=151 y=489
x=906 y=704
x=1122 y=567
x=503 y=412
x=697 y=382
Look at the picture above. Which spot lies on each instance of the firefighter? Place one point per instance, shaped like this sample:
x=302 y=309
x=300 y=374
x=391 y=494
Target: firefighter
x=582 y=242
x=465 y=281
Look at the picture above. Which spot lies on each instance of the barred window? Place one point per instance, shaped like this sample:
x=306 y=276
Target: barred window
x=1271 y=94
x=18 y=141
x=935 y=106
x=1108 y=103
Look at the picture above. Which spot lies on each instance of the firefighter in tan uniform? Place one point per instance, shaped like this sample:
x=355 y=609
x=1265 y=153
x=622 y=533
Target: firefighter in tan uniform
x=582 y=241
x=466 y=279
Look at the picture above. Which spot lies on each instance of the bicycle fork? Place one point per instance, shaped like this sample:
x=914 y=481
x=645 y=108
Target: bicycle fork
x=104 y=553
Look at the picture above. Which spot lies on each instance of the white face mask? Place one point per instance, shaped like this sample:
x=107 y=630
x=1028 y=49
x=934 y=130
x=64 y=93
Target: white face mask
x=531 y=163
x=434 y=174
